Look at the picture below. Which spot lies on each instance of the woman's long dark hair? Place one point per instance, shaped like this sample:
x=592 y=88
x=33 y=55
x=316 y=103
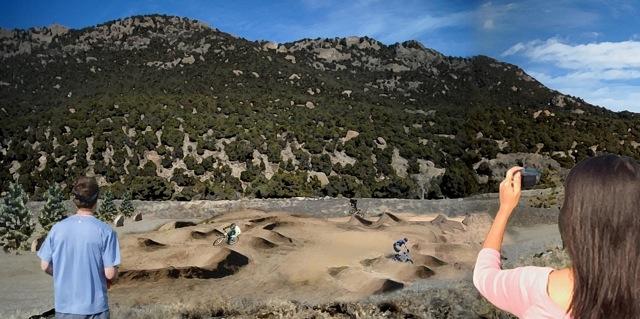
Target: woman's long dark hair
x=600 y=228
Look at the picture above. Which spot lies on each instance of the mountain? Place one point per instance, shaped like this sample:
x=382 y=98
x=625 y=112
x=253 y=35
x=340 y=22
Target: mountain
x=169 y=108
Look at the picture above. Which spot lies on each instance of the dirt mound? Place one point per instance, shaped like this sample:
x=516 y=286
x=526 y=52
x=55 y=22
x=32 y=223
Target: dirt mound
x=261 y=243
x=335 y=271
x=263 y=219
x=361 y=281
x=149 y=244
x=387 y=219
x=442 y=222
x=391 y=217
x=176 y=225
x=371 y=261
x=356 y=220
x=277 y=224
x=389 y=285
x=424 y=272
x=231 y=264
x=428 y=260
x=477 y=220
x=196 y=234
x=278 y=237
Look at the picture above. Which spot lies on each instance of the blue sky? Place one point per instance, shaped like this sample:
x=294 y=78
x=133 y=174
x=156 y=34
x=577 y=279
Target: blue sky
x=587 y=48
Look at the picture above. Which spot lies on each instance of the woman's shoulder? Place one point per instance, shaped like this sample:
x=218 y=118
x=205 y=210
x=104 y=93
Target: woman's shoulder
x=560 y=288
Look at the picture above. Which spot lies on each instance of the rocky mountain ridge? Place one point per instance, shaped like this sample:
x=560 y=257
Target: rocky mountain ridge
x=169 y=107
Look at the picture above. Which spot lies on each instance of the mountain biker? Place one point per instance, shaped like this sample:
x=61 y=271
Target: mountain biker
x=403 y=257
x=232 y=232
x=354 y=207
x=397 y=246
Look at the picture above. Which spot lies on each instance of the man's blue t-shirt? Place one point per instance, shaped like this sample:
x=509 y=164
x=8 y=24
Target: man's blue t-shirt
x=79 y=248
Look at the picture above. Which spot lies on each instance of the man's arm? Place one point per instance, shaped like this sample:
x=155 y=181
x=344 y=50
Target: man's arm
x=111 y=273
x=46 y=267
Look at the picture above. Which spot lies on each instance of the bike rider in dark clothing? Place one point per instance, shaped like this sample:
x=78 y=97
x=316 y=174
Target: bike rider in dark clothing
x=402 y=255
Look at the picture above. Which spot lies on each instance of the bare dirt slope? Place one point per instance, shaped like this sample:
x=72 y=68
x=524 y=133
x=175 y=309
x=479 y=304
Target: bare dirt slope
x=287 y=256
x=281 y=257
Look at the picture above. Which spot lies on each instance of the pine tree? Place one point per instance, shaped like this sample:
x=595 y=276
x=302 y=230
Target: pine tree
x=54 y=210
x=107 y=211
x=126 y=207
x=16 y=224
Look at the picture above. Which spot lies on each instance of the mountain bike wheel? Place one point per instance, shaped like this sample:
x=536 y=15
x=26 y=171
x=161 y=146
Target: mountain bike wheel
x=219 y=241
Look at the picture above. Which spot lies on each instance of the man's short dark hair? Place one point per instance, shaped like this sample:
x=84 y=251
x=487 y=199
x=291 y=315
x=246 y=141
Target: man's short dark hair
x=86 y=192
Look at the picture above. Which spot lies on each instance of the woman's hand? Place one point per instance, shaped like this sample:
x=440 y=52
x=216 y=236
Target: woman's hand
x=510 y=190
x=509 y=197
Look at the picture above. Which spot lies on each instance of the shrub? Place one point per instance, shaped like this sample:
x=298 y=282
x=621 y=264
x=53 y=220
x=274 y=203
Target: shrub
x=250 y=173
x=345 y=185
x=126 y=207
x=190 y=162
x=151 y=188
x=239 y=151
x=54 y=210
x=16 y=225
x=149 y=169
x=459 y=181
x=322 y=163
x=107 y=211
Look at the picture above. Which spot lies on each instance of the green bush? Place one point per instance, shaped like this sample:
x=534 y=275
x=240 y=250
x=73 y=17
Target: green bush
x=126 y=207
x=151 y=188
x=16 y=225
x=459 y=181
x=322 y=163
x=107 y=211
x=149 y=169
x=239 y=151
x=53 y=210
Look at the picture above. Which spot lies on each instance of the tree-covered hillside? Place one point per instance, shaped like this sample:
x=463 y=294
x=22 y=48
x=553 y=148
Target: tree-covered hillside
x=169 y=108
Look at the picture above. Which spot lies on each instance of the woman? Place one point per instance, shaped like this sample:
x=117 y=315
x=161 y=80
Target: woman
x=600 y=228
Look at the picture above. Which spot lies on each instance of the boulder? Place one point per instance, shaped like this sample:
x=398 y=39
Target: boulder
x=137 y=217
x=119 y=221
x=188 y=60
x=270 y=46
x=290 y=58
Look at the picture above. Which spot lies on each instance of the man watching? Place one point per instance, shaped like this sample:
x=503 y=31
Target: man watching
x=82 y=255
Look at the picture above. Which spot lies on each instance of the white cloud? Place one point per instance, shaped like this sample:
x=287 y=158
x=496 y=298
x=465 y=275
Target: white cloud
x=592 y=56
x=602 y=73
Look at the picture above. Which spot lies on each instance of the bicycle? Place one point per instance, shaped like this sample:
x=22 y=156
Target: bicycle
x=357 y=212
x=223 y=238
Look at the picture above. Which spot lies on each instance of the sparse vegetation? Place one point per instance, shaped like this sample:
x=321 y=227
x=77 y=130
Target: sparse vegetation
x=126 y=207
x=54 y=209
x=16 y=225
x=107 y=211
x=109 y=109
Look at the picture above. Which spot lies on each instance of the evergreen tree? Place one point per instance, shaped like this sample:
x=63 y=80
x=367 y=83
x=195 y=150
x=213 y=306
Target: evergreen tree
x=107 y=211
x=16 y=225
x=54 y=210
x=126 y=207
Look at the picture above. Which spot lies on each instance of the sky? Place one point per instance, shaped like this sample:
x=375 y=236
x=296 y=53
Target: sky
x=585 y=48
